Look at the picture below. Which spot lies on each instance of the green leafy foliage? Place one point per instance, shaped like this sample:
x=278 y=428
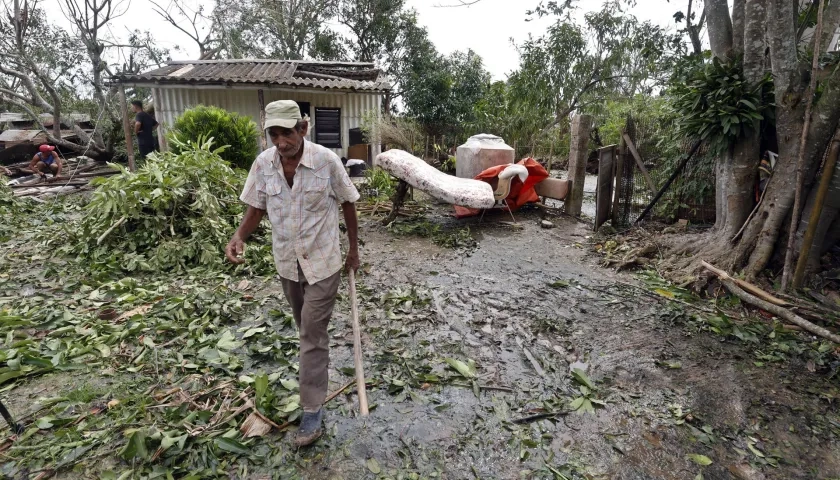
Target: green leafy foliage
x=447 y=238
x=380 y=184
x=588 y=399
x=238 y=133
x=714 y=102
x=575 y=66
x=441 y=91
x=177 y=210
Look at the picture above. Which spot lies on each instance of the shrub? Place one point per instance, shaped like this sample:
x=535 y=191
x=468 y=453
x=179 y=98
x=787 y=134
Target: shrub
x=177 y=210
x=237 y=132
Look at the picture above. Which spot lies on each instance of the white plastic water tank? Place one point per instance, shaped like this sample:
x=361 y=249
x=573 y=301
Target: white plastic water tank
x=481 y=152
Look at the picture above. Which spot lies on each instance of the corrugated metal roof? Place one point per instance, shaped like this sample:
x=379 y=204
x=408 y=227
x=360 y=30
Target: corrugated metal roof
x=327 y=75
x=45 y=117
x=28 y=135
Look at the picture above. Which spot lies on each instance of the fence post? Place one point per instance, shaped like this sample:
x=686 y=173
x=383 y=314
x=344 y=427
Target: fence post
x=129 y=141
x=581 y=125
x=261 y=101
x=618 y=171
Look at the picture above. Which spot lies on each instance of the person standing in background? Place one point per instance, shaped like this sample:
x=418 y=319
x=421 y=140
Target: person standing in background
x=144 y=127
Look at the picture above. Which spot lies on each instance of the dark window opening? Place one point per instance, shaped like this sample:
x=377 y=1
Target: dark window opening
x=304 y=109
x=328 y=127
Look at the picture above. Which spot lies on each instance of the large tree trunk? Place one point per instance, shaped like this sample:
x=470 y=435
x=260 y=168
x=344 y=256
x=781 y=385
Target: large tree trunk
x=738 y=13
x=736 y=168
x=767 y=23
x=720 y=27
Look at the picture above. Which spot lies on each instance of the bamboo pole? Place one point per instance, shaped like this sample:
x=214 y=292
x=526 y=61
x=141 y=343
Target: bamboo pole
x=800 y=168
x=639 y=162
x=822 y=192
x=357 y=347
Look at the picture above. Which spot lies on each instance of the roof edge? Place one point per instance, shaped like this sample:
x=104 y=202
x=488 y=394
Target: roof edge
x=271 y=60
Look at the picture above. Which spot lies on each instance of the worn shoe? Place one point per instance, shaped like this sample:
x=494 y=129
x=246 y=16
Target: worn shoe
x=311 y=428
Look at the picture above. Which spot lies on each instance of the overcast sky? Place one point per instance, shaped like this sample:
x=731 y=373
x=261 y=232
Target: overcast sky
x=486 y=27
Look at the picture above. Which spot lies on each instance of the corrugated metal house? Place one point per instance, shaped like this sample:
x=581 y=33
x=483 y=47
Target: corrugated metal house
x=335 y=95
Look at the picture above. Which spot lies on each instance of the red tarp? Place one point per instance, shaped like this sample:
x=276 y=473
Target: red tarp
x=520 y=193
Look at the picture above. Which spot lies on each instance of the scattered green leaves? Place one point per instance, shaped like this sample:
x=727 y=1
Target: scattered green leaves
x=701 y=460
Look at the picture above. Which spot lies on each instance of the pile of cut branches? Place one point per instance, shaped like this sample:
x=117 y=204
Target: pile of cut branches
x=177 y=210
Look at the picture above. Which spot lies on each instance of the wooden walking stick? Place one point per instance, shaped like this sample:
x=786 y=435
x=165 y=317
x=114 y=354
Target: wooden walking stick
x=357 y=347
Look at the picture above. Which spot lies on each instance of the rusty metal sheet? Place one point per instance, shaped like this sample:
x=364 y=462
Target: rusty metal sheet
x=37 y=136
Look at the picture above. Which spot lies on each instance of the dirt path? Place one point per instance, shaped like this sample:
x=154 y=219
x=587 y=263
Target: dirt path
x=527 y=305
x=493 y=305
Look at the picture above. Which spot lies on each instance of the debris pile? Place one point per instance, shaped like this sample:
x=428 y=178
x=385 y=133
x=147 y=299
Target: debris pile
x=175 y=211
x=76 y=175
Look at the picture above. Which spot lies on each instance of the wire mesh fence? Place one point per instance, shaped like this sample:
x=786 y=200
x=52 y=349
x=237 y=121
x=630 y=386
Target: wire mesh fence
x=690 y=197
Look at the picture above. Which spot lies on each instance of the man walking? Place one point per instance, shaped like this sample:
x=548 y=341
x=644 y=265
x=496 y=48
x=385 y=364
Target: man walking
x=144 y=127
x=300 y=185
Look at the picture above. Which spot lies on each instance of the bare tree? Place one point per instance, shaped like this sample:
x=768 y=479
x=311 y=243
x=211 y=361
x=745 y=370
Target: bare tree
x=44 y=68
x=89 y=18
x=29 y=84
x=192 y=22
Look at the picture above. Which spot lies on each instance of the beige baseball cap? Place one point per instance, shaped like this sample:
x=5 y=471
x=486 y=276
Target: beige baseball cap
x=282 y=113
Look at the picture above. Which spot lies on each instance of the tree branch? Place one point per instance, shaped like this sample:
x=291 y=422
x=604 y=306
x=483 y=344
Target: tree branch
x=730 y=285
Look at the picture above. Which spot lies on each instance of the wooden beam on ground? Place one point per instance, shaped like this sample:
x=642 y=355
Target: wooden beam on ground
x=639 y=162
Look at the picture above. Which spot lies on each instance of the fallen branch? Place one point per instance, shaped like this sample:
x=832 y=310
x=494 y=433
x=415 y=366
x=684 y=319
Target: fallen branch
x=791 y=317
x=539 y=416
x=758 y=292
x=111 y=229
x=533 y=361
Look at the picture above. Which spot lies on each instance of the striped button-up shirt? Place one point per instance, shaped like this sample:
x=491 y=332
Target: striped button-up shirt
x=304 y=217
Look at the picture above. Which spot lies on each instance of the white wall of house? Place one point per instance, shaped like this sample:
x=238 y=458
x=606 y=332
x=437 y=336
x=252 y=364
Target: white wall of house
x=172 y=101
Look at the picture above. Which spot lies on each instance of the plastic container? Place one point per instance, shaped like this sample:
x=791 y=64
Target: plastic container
x=481 y=152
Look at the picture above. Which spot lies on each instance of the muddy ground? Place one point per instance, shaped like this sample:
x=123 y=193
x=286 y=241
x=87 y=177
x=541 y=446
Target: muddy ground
x=496 y=302
x=527 y=305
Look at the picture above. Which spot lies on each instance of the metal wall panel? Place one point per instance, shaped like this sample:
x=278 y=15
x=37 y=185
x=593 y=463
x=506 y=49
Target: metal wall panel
x=172 y=102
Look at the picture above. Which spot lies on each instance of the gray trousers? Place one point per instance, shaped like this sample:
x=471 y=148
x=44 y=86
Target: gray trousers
x=312 y=307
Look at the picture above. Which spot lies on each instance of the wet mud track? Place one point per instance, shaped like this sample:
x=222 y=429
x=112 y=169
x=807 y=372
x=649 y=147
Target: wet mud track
x=527 y=306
